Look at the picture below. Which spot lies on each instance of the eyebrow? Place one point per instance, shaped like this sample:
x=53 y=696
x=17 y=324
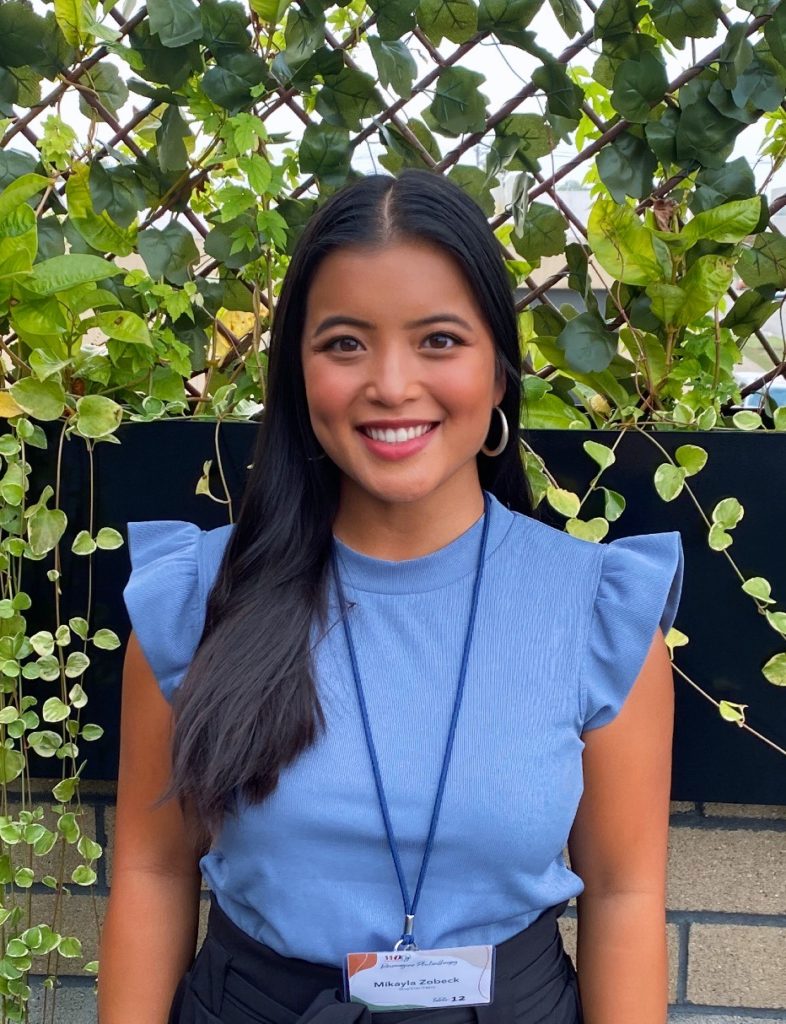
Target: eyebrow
x=333 y=321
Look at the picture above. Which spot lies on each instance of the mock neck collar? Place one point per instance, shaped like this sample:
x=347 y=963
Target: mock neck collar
x=437 y=569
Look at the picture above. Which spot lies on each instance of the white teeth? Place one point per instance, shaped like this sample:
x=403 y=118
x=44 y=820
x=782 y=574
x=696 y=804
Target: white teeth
x=398 y=436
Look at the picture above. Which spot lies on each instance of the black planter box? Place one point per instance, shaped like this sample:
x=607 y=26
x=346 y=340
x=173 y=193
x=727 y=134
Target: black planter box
x=153 y=474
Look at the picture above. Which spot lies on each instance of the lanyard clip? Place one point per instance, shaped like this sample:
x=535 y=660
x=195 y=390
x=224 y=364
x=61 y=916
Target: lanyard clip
x=407 y=940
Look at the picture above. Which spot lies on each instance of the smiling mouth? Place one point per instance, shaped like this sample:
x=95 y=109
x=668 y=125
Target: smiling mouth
x=398 y=435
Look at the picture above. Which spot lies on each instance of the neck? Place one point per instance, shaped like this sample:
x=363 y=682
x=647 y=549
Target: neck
x=401 y=530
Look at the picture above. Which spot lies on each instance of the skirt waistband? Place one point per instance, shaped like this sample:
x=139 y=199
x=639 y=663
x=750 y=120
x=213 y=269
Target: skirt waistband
x=237 y=980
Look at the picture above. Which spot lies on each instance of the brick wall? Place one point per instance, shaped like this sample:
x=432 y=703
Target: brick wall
x=726 y=916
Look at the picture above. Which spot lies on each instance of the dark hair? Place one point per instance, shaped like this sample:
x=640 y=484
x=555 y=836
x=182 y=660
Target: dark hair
x=248 y=704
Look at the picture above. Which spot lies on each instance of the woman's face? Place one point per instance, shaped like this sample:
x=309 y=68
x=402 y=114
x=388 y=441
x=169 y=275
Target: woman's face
x=401 y=405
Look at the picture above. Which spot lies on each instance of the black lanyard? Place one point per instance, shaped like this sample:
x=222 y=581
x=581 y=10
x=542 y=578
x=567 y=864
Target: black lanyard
x=407 y=940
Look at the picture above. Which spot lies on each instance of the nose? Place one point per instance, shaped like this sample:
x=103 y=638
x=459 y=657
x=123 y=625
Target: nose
x=393 y=375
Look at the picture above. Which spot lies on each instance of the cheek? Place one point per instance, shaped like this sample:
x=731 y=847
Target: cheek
x=327 y=394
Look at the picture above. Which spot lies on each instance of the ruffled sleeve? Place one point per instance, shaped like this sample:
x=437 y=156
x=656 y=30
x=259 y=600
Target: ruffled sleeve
x=164 y=595
x=638 y=589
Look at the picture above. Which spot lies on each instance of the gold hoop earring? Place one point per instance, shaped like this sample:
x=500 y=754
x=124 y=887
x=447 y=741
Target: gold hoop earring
x=492 y=453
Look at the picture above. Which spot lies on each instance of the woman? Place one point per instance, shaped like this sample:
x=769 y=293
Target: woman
x=396 y=695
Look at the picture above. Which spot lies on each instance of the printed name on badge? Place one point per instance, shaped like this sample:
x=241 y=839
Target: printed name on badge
x=423 y=978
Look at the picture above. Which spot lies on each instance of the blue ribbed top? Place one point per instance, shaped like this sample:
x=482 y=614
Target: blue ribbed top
x=563 y=627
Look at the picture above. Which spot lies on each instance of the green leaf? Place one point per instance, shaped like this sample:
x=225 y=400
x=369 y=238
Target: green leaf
x=83 y=544
x=704 y=135
x=591 y=529
x=98 y=230
x=41 y=399
x=20 y=191
x=703 y=287
x=456 y=20
x=717 y=185
x=106 y=639
x=589 y=346
x=69 y=946
x=669 y=480
x=91 y=732
x=55 y=710
x=774 y=670
x=11 y=765
x=678 y=19
x=601 y=453
x=691 y=457
x=613 y=504
x=568 y=15
x=63 y=272
x=64 y=789
x=563 y=501
x=622 y=244
x=458 y=105
x=97 y=416
x=73 y=17
x=346 y=99
x=779 y=418
x=543 y=233
x=718 y=538
x=551 y=413
x=395 y=18
x=170 y=138
x=764 y=262
x=168 y=65
x=396 y=66
x=104 y=80
x=760 y=86
x=175 y=22
x=563 y=96
x=270 y=10
x=108 y=539
x=168 y=253
x=638 y=84
x=44 y=742
x=747 y=419
x=728 y=223
x=760 y=588
x=626 y=167
x=123 y=325
x=727 y=513
x=777 y=620
x=76 y=663
x=775 y=33
x=324 y=152
x=617 y=18
x=498 y=16
x=224 y=26
x=116 y=190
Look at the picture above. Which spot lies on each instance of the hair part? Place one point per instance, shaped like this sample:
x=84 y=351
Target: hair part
x=248 y=704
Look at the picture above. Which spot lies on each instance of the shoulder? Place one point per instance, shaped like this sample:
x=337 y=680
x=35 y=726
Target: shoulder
x=174 y=564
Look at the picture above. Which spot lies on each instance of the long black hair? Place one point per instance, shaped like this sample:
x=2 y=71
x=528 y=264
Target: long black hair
x=248 y=704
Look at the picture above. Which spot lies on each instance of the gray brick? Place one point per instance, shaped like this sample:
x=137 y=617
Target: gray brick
x=737 y=965
x=78 y=915
x=703 y=1018
x=732 y=870
x=64 y=1005
x=771 y=812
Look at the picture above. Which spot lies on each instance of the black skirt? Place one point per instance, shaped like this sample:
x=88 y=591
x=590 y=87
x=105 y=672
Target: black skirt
x=236 y=980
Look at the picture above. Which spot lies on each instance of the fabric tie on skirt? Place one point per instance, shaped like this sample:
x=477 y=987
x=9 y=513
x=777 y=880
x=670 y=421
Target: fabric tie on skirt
x=237 y=980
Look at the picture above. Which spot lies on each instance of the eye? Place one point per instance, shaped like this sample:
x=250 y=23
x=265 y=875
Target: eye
x=444 y=337
x=337 y=345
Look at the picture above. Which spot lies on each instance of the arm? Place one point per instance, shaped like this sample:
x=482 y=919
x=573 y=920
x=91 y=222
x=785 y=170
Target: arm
x=618 y=845
x=148 y=938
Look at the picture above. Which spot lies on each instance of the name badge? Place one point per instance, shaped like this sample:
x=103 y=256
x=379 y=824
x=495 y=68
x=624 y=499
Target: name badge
x=421 y=978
